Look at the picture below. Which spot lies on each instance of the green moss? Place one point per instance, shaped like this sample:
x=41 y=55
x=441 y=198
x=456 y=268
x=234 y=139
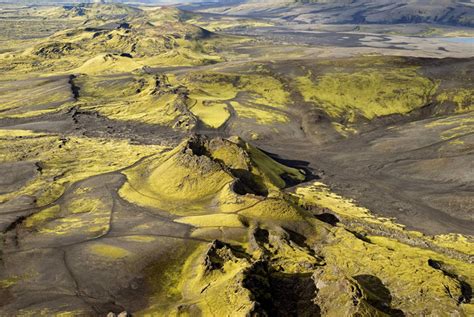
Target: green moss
x=229 y=202
x=462 y=98
x=129 y=98
x=176 y=179
x=456 y=242
x=318 y=194
x=262 y=92
x=219 y=220
x=213 y=115
x=148 y=99
x=211 y=86
x=266 y=90
x=107 y=63
x=139 y=239
x=9 y=282
x=404 y=270
x=260 y=115
x=93 y=225
x=86 y=205
x=66 y=160
x=465 y=271
x=42 y=216
x=222 y=24
x=217 y=293
x=185 y=182
x=268 y=169
x=167 y=278
x=109 y=251
x=367 y=93
x=274 y=209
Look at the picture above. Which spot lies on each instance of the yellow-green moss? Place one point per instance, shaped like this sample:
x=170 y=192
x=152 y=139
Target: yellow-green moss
x=8 y=134
x=213 y=115
x=95 y=225
x=456 y=242
x=320 y=195
x=218 y=220
x=109 y=251
x=463 y=270
x=176 y=179
x=229 y=202
x=462 y=98
x=273 y=209
x=9 y=282
x=167 y=278
x=266 y=90
x=222 y=24
x=260 y=91
x=85 y=205
x=403 y=269
x=216 y=293
x=42 y=216
x=128 y=98
x=181 y=180
x=107 y=63
x=139 y=239
x=368 y=93
x=260 y=115
x=66 y=160
x=271 y=169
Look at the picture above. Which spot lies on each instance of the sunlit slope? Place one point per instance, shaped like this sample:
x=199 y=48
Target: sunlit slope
x=201 y=172
x=254 y=100
x=351 y=92
x=208 y=228
x=347 y=92
x=116 y=42
x=112 y=197
x=368 y=93
x=56 y=161
x=195 y=100
x=154 y=66
x=276 y=262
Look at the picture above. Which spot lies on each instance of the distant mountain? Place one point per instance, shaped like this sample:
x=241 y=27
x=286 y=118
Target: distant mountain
x=33 y=2
x=449 y=12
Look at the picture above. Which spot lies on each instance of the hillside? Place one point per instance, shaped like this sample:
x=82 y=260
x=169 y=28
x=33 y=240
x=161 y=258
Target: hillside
x=447 y=12
x=161 y=162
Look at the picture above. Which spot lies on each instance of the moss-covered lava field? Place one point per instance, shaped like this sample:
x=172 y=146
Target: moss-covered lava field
x=156 y=161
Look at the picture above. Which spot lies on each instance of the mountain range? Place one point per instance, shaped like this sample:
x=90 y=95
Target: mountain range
x=445 y=12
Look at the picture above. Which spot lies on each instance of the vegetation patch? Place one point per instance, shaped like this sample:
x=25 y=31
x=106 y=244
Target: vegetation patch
x=66 y=160
x=367 y=93
x=41 y=217
x=462 y=98
x=109 y=251
x=320 y=195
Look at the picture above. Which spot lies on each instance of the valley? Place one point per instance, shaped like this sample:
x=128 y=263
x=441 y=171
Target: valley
x=235 y=160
